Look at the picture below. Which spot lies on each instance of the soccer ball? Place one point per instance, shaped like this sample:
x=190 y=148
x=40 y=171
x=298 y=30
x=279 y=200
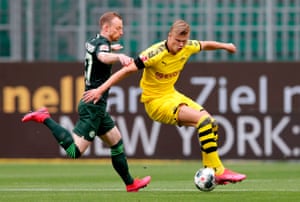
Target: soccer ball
x=204 y=179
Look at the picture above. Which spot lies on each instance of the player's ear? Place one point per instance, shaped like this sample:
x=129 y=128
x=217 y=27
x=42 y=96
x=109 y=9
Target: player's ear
x=105 y=26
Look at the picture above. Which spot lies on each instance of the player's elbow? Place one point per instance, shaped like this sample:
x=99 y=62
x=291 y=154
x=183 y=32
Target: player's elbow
x=131 y=68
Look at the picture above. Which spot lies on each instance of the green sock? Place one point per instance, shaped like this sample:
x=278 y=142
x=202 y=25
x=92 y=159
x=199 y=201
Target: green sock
x=119 y=162
x=63 y=137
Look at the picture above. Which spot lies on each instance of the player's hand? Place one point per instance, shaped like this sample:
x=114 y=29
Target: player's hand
x=92 y=95
x=124 y=59
x=116 y=47
x=230 y=47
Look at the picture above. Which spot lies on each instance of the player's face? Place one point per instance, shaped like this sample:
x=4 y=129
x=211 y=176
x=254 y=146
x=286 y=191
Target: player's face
x=176 y=42
x=115 y=29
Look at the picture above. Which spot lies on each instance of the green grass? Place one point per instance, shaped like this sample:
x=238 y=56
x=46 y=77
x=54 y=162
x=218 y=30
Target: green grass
x=87 y=180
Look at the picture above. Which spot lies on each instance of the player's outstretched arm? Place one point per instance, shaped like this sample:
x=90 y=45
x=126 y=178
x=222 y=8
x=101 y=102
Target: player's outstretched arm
x=95 y=94
x=116 y=47
x=110 y=58
x=215 y=45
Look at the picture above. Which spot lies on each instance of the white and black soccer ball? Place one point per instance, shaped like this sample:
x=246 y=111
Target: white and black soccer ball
x=204 y=179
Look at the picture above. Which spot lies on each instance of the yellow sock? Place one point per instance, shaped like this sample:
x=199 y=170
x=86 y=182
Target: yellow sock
x=216 y=162
x=206 y=161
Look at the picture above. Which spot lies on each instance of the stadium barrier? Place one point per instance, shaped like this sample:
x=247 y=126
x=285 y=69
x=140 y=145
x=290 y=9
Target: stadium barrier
x=256 y=104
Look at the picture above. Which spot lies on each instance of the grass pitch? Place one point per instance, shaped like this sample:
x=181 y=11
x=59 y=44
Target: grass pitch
x=86 y=180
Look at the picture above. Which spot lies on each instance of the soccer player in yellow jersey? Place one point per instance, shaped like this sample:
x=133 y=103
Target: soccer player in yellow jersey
x=162 y=64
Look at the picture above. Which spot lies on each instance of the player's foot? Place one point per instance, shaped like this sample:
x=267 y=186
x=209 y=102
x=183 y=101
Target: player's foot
x=37 y=116
x=229 y=176
x=138 y=184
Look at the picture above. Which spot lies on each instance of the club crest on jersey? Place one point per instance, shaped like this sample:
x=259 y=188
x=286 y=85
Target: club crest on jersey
x=143 y=58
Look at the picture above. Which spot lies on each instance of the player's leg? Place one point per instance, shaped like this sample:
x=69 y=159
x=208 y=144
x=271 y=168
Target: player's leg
x=113 y=139
x=207 y=134
x=207 y=129
x=177 y=109
x=119 y=161
x=62 y=136
x=173 y=109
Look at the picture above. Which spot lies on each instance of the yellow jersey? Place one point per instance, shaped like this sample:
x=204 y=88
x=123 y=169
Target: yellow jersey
x=162 y=69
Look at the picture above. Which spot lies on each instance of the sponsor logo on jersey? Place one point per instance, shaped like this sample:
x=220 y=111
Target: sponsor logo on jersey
x=160 y=75
x=104 y=48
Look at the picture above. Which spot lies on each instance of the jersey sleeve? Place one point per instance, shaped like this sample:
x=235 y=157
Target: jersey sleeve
x=143 y=60
x=102 y=48
x=97 y=46
x=150 y=56
x=90 y=48
x=194 y=46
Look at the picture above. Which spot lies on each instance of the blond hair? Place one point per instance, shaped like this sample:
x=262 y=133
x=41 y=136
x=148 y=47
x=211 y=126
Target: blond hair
x=180 y=27
x=108 y=17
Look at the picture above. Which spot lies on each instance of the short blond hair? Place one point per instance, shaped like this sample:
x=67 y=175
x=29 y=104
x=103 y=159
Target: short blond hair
x=108 y=17
x=180 y=27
